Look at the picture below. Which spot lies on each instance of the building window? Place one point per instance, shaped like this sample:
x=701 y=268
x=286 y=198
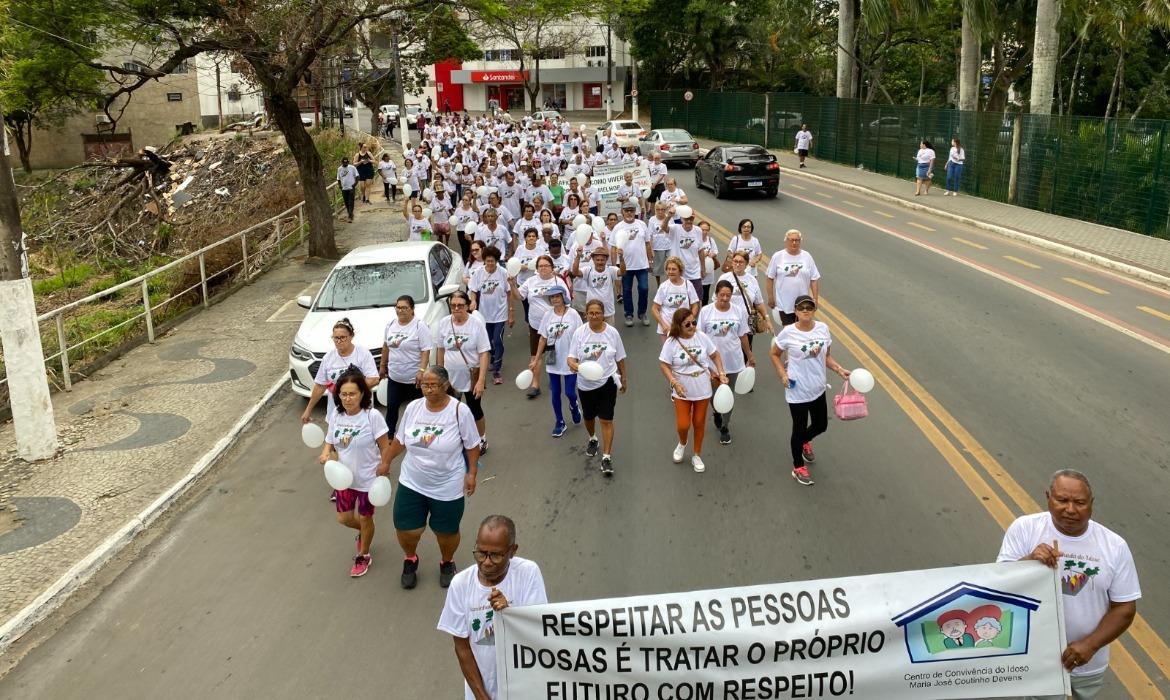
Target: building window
x=552 y=53
x=499 y=55
x=174 y=97
x=133 y=66
x=595 y=52
x=233 y=93
x=179 y=69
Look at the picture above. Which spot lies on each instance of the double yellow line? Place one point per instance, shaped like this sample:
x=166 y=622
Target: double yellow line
x=963 y=452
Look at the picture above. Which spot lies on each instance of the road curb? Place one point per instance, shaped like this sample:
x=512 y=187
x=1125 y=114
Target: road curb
x=58 y=593
x=1032 y=239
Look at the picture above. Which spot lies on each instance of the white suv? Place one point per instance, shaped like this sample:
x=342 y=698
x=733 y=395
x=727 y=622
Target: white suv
x=363 y=287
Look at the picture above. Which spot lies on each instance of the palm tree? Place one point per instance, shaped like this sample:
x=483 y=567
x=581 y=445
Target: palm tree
x=1045 y=56
x=977 y=19
x=847 y=11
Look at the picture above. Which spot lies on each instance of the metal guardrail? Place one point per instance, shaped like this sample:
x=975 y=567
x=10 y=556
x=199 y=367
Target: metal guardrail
x=252 y=263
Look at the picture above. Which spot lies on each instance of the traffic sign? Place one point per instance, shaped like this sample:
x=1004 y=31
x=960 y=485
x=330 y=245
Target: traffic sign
x=633 y=93
x=688 y=95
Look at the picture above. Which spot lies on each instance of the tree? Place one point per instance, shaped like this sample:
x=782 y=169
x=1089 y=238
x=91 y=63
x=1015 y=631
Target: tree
x=847 y=12
x=1045 y=55
x=282 y=43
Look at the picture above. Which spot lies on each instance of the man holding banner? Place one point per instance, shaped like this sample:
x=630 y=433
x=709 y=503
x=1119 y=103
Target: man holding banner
x=477 y=596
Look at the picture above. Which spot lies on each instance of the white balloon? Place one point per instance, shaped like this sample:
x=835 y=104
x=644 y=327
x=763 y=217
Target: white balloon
x=482 y=190
x=383 y=392
x=470 y=227
x=513 y=267
x=746 y=380
x=621 y=239
x=724 y=400
x=684 y=212
x=427 y=212
x=312 y=435
x=582 y=127
x=402 y=180
x=645 y=191
x=407 y=189
x=570 y=171
x=861 y=380
x=380 y=492
x=583 y=233
x=428 y=194
x=578 y=220
x=492 y=190
x=590 y=370
x=708 y=265
x=339 y=476
x=524 y=379
x=598 y=224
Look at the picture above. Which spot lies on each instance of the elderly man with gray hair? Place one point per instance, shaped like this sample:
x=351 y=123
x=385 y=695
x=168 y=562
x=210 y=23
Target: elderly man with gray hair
x=1097 y=575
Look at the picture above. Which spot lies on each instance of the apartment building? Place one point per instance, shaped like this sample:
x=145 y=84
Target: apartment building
x=223 y=84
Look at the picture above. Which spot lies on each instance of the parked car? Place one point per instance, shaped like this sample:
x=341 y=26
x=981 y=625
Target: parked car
x=738 y=168
x=627 y=133
x=412 y=112
x=782 y=121
x=306 y=119
x=363 y=287
x=673 y=145
x=549 y=114
x=887 y=126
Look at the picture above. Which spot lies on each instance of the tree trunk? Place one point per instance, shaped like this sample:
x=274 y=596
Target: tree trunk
x=11 y=234
x=318 y=212
x=1072 y=88
x=1116 y=84
x=969 y=68
x=846 y=33
x=23 y=135
x=1045 y=56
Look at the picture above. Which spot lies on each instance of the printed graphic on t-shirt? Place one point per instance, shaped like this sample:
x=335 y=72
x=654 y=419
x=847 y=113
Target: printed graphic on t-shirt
x=593 y=351
x=791 y=269
x=676 y=299
x=455 y=341
x=483 y=627
x=343 y=434
x=723 y=326
x=1077 y=572
x=812 y=348
x=685 y=242
x=489 y=286
x=395 y=340
x=598 y=281
x=695 y=352
x=555 y=330
x=425 y=434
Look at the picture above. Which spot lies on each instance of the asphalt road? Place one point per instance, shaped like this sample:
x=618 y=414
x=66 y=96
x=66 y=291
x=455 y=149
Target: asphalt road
x=985 y=387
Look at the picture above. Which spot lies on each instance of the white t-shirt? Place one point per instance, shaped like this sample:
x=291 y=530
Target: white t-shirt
x=461 y=216
x=794 y=275
x=468 y=614
x=499 y=237
x=686 y=245
x=751 y=289
x=389 y=171
x=356 y=440
x=417 y=227
x=956 y=155
x=406 y=344
x=558 y=332
x=752 y=248
x=510 y=198
x=725 y=328
x=491 y=291
x=533 y=290
x=462 y=345
x=924 y=155
x=712 y=249
x=659 y=239
x=600 y=285
x=807 y=351
x=527 y=257
x=803 y=139
x=671 y=297
x=635 y=250
x=333 y=365
x=1095 y=569
x=435 y=441
x=690 y=364
x=605 y=348
x=671 y=198
x=347 y=175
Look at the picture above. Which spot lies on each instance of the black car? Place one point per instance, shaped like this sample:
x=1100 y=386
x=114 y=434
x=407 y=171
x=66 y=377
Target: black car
x=737 y=168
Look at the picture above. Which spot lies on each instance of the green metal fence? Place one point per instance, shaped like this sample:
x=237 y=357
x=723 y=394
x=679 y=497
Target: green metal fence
x=1107 y=171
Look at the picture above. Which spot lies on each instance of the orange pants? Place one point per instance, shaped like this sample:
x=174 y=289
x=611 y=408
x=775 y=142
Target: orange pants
x=691 y=414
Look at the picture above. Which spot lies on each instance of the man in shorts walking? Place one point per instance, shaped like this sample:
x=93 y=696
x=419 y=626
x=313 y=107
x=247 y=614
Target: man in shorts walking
x=803 y=143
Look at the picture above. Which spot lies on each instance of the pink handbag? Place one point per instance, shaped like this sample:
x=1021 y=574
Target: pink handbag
x=850 y=406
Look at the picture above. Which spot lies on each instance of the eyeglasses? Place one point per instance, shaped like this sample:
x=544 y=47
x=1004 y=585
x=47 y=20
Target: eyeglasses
x=494 y=557
x=806 y=308
x=688 y=324
x=340 y=338
x=431 y=385
x=458 y=306
x=402 y=308
x=792 y=240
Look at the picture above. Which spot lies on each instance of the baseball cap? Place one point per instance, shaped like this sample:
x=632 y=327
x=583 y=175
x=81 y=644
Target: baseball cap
x=629 y=205
x=804 y=299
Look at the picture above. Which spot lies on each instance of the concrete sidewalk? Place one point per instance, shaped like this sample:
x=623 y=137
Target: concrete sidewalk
x=1145 y=257
x=136 y=433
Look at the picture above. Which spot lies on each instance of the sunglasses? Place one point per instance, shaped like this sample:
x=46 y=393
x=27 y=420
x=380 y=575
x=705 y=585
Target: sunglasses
x=688 y=324
x=806 y=307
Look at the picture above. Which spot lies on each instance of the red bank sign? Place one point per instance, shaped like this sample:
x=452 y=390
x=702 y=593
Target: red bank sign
x=498 y=76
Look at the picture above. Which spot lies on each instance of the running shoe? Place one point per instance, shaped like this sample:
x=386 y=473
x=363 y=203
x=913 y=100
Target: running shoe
x=497 y=378
x=559 y=429
x=533 y=393
x=629 y=321
x=677 y=455
x=607 y=465
x=802 y=476
x=807 y=451
x=697 y=463
x=483 y=447
x=575 y=410
x=333 y=496
x=724 y=437
x=645 y=320
x=409 y=573
x=446 y=573
x=591 y=447
x=360 y=566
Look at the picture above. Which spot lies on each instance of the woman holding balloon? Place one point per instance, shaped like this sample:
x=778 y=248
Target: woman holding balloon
x=690 y=362
x=532 y=294
x=598 y=356
x=556 y=332
x=727 y=326
x=463 y=350
x=801 y=356
x=358 y=439
x=417 y=218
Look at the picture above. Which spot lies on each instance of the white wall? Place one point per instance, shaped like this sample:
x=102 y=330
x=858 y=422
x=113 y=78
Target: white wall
x=251 y=100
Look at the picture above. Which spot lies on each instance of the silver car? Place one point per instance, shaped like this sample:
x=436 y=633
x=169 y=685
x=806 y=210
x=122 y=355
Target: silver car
x=674 y=145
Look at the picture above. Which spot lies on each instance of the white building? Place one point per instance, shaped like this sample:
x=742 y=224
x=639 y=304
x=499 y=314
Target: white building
x=238 y=98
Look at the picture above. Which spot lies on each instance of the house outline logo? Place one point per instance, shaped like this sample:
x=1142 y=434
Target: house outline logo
x=966 y=622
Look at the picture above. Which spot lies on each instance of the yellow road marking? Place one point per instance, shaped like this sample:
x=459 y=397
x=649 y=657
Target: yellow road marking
x=1154 y=312
x=924 y=227
x=824 y=194
x=1131 y=674
x=853 y=204
x=799 y=187
x=1019 y=261
x=1084 y=285
x=973 y=244
x=882 y=213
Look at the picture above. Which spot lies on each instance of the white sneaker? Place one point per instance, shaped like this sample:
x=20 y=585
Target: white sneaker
x=697 y=463
x=679 y=449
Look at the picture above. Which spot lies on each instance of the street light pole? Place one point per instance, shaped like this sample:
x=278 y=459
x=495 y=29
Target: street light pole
x=395 y=18
x=608 y=68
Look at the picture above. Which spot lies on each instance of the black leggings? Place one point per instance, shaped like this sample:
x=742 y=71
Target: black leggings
x=802 y=430
x=474 y=404
x=397 y=396
x=388 y=188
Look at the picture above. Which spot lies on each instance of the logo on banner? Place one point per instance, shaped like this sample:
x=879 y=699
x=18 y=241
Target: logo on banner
x=967 y=621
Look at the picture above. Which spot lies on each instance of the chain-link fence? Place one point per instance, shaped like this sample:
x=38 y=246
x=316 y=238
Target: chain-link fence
x=1107 y=171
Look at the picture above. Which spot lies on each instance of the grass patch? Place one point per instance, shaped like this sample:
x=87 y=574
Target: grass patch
x=69 y=278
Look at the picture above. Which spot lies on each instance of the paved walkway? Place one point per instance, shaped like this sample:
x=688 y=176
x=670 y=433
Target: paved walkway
x=1146 y=253
x=144 y=422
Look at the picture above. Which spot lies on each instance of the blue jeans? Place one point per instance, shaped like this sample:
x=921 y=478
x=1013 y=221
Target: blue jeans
x=496 y=337
x=643 y=277
x=954 y=175
x=570 y=384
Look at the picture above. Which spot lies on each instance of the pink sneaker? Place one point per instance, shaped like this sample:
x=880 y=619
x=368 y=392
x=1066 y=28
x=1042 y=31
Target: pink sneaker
x=360 y=566
x=807 y=452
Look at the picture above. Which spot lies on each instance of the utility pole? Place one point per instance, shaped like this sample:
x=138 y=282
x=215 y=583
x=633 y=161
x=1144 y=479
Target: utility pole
x=395 y=19
x=608 y=68
x=218 y=95
x=634 y=90
x=340 y=66
x=24 y=358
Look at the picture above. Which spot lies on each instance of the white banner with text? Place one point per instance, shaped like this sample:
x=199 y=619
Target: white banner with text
x=608 y=178
x=989 y=630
